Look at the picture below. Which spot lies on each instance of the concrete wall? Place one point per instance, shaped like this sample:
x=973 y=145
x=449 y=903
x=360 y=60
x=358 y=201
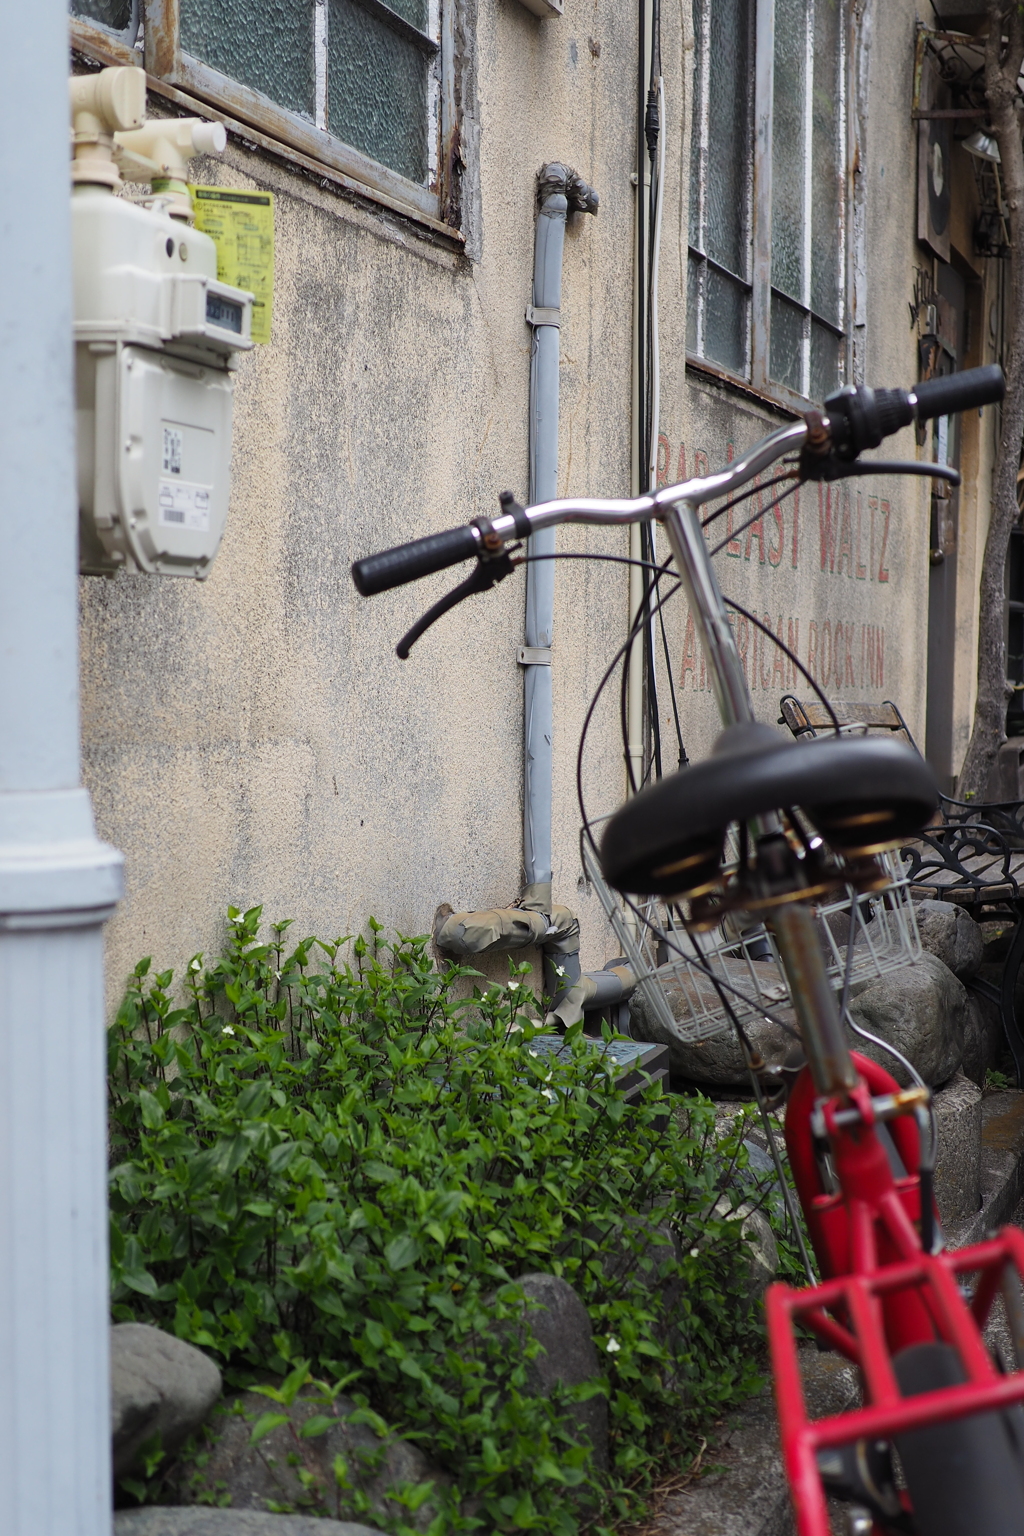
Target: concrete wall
x=254 y=739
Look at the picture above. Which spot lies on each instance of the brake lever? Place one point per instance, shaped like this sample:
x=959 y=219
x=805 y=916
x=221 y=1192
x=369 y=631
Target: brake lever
x=832 y=468
x=490 y=569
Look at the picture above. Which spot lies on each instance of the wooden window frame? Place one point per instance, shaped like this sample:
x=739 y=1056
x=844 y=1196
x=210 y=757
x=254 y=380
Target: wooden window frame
x=757 y=382
x=250 y=115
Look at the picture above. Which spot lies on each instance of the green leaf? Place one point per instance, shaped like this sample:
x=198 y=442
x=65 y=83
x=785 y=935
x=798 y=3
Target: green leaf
x=153 y=1115
x=401 y=1252
x=318 y=1424
x=264 y=1425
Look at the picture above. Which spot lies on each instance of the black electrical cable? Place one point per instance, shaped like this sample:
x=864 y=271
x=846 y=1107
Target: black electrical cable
x=798 y=664
x=745 y=496
x=759 y=513
x=653 y=710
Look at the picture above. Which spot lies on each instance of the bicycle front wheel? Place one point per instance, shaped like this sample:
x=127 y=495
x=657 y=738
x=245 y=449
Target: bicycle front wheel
x=964 y=1477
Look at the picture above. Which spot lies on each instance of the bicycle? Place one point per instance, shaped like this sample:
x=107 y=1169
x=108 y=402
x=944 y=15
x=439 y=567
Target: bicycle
x=811 y=818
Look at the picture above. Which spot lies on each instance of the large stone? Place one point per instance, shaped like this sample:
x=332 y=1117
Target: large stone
x=158 y=1521
x=285 y=1467
x=951 y=933
x=158 y=1386
x=958 y=1165
x=717 y=1062
x=559 y=1322
x=760 y=1251
x=983 y=1039
x=923 y=1011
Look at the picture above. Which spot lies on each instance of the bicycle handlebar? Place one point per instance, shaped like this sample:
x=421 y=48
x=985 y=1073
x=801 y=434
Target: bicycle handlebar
x=960 y=391
x=857 y=418
x=408 y=562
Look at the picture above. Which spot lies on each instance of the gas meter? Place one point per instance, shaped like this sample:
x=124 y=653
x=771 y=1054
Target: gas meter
x=156 y=337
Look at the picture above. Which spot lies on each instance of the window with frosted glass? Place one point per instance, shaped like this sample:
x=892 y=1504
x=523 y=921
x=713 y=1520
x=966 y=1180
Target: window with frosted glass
x=766 y=292
x=359 y=69
x=364 y=72
x=807 y=197
x=120 y=16
x=720 y=153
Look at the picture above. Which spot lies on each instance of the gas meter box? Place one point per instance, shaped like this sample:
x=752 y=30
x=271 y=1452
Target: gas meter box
x=156 y=338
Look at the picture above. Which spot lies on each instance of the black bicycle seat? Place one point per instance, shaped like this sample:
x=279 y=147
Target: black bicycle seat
x=861 y=793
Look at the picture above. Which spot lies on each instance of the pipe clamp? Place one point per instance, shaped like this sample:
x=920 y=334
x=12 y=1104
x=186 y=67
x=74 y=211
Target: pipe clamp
x=534 y=656
x=536 y=315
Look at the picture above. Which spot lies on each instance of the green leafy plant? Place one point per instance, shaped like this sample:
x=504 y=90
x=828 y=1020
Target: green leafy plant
x=323 y=1161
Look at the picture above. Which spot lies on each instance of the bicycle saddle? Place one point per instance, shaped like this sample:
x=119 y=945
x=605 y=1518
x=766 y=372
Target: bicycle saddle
x=861 y=793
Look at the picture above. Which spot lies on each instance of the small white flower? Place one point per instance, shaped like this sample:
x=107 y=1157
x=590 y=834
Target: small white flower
x=514 y=986
x=559 y=971
x=238 y=919
x=227 y=1030
x=533 y=1052
x=549 y=1093
x=278 y=975
x=194 y=965
x=694 y=1253
x=613 y=1346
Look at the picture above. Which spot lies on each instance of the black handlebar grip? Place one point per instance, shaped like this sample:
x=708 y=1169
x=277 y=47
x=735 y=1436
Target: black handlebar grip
x=408 y=562
x=960 y=391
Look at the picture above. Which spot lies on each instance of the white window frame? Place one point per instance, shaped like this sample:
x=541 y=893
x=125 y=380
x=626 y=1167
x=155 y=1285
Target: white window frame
x=188 y=81
x=757 y=379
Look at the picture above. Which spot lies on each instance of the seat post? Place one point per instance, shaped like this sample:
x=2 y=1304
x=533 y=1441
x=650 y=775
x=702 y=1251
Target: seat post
x=814 y=1002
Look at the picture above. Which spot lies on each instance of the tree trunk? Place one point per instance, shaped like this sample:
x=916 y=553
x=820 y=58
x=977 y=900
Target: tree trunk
x=1003 y=62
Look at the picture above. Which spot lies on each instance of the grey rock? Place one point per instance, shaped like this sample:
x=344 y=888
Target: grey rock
x=158 y=1385
x=923 y=1011
x=717 y=1062
x=983 y=1039
x=958 y=1165
x=158 y=1521
x=760 y=1251
x=951 y=933
x=559 y=1322
x=745 y=1494
x=285 y=1467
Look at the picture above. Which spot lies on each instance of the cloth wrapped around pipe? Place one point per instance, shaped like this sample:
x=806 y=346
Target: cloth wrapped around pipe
x=555 y=931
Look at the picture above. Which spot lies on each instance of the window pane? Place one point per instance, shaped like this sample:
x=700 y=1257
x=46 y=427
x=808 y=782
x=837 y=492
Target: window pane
x=787 y=344
x=412 y=10
x=377 y=89
x=826 y=160
x=826 y=360
x=693 y=276
x=266 y=44
x=725 y=321
x=730 y=70
x=788 y=148
x=698 y=127
x=116 y=14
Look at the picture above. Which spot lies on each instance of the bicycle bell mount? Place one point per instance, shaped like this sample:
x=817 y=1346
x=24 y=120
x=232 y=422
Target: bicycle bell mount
x=156 y=338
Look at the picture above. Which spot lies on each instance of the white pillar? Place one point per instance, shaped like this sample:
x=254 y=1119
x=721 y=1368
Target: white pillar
x=57 y=881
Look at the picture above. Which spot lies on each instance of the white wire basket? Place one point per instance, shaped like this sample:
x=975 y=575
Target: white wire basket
x=672 y=971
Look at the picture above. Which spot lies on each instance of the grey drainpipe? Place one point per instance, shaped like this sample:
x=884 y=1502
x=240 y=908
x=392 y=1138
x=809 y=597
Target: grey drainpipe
x=559 y=190
x=534 y=920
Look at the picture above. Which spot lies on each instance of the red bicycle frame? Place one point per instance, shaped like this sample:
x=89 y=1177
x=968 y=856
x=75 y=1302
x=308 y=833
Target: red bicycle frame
x=881 y=1292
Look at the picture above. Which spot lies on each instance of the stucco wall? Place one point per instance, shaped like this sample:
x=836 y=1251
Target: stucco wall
x=254 y=739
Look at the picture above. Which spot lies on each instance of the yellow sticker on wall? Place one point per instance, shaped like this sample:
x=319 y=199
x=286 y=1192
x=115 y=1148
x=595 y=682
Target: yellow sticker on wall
x=242 y=226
